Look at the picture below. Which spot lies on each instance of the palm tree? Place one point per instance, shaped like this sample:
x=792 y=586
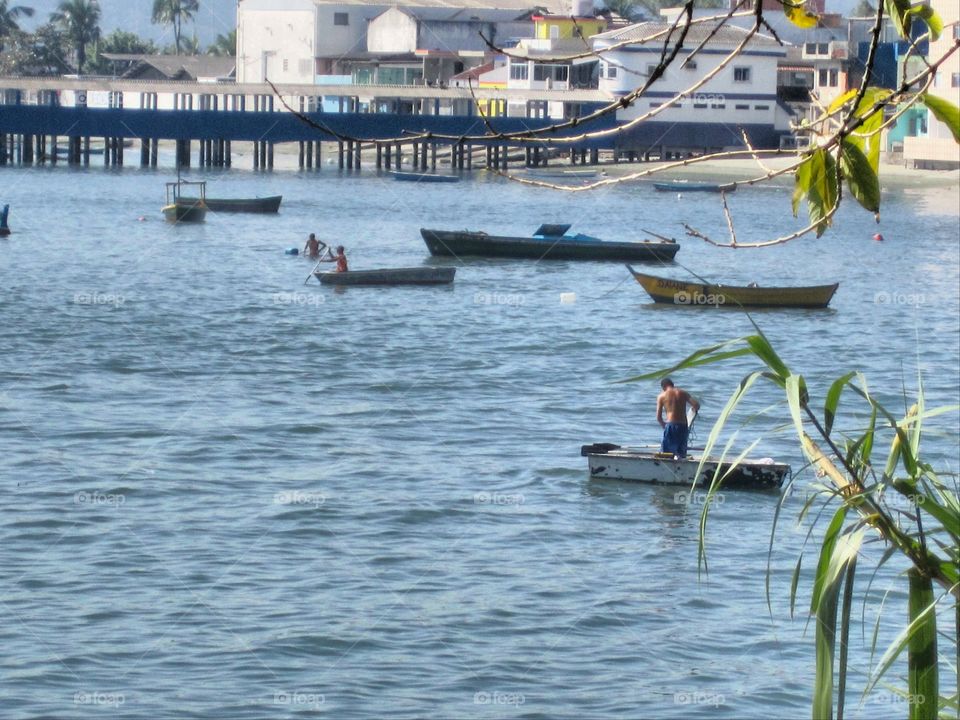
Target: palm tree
x=80 y=21
x=224 y=45
x=8 y=19
x=174 y=12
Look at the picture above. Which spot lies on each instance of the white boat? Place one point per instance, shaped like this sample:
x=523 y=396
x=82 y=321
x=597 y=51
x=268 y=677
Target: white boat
x=645 y=464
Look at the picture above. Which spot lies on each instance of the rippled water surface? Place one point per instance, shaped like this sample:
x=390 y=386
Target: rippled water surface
x=229 y=494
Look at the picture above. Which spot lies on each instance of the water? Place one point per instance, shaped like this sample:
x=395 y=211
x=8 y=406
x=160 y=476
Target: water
x=233 y=495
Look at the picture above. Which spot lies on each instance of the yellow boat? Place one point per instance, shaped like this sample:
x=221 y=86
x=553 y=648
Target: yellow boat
x=680 y=292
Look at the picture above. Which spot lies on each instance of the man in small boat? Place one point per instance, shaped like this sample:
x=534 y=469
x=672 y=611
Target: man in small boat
x=672 y=416
x=340 y=259
x=312 y=248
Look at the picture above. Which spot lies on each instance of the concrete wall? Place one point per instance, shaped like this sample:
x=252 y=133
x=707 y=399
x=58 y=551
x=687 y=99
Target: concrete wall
x=392 y=32
x=276 y=41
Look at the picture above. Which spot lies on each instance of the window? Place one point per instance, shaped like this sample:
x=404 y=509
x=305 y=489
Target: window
x=955 y=80
x=823 y=49
x=341 y=18
x=741 y=74
x=822 y=76
x=810 y=49
x=554 y=32
x=719 y=106
x=956 y=31
x=611 y=71
x=761 y=107
x=286 y=64
x=699 y=106
x=518 y=71
x=834 y=77
x=742 y=107
x=692 y=65
x=650 y=69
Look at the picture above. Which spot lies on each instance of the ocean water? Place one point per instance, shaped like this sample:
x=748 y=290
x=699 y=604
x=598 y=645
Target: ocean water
x=233 y=494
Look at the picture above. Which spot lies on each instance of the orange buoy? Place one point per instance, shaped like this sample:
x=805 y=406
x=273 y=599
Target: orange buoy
x=878 y=237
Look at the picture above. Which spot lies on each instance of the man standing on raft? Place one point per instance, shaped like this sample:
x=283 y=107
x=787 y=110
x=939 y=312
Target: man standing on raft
x=673 y=402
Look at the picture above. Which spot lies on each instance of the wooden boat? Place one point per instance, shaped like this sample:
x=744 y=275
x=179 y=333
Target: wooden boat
x=185 y=209
x=645 y=464
x=560 y=174
x=4 y=228
x=270 y=204
x=549 y=242
x=685 y=186
x=423 y=177
x=390 y=276
x=681 y=292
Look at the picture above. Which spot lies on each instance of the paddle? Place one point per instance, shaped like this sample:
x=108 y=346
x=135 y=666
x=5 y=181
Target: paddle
x=323 y=247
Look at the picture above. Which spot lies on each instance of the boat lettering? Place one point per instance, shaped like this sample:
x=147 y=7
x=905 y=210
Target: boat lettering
x=684 y=297
x=675 y=284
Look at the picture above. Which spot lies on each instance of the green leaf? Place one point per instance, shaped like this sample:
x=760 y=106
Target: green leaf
x=899 y=12
x=929 y=16
x=821 y=192
x=762 y=348
x=794 y=581
x=945 y=111
x=861 y=178
x=795 y=390
x=797 y=13
x=703 y=356
x=922 y=672
x=833 y=399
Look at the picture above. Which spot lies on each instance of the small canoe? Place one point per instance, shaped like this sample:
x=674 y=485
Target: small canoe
x=684 y=186
x=681 y=292
x=615 y=462
x=423 y=177
x=269 y=204
x=549 y=242
x=390 y=276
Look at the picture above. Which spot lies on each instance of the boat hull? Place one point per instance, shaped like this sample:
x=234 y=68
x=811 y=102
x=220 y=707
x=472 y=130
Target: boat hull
x=424 y=177
x=465 y=243
x=679 y=292
x=241 y=205
x=693 y=187
x=622 y=463
x=185 y=211
x=390 y=276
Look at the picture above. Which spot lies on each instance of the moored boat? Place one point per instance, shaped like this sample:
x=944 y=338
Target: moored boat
x=686 y=186
x=270 y=204
x=681 y=292
x=549 y=242
x=185 y=209
x=390 y=276
x=615 y=462
x=423 y=177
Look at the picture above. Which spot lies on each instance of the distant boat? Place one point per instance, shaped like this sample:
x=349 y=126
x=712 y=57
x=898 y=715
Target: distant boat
x=607 y=460
x=685 y=186
x=681 y=292
x=561 y=174
x=423 y=177
x=4 y=228
x=390 y=276
x=185 y=209
x=549 y=242
x=270 y=204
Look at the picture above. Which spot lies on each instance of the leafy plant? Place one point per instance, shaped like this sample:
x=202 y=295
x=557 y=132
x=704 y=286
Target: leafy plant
x=865 y=485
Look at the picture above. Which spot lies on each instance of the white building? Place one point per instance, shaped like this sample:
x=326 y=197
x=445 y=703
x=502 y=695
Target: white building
x=301 y=41
x=743 y=93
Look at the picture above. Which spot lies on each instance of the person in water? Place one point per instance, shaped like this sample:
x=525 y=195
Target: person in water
x=672 y=416
x=312 y=248
x=340 y=259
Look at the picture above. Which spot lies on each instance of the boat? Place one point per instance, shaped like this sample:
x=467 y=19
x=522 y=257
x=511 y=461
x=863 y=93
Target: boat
x=549 y=242
x=4 y=228
x=560 y=174
x=185 y=209
x=390 y=276
x=645 y=464
x=269 y=204
x=423 y=177
x=686 y=186
x=681 y=292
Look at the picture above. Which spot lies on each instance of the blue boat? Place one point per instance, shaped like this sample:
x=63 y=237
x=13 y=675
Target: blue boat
x=681 y=186
x=423 y=177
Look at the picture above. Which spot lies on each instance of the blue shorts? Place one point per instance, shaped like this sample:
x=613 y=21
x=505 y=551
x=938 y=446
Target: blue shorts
x=675 y=439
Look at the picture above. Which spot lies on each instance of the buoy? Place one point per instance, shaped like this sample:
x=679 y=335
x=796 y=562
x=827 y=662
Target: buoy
x=878 y=237
x=292 y=251
x=142 y=218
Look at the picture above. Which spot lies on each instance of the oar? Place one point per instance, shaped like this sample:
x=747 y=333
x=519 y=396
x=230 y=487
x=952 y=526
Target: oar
x=318 y=263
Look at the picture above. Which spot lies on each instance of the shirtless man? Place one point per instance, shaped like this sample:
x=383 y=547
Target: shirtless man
x=673 y=401
x=312 y=248
x=340 y=259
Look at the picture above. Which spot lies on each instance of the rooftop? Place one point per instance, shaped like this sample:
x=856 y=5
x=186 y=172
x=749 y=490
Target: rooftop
x=656 y=33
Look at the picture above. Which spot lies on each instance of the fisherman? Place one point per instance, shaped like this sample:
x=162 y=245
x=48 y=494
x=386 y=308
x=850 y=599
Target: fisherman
x=673 y=402
x=340 y=259
x=312 y=248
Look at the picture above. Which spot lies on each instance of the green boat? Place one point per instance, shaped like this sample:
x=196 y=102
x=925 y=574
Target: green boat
x=185 y=209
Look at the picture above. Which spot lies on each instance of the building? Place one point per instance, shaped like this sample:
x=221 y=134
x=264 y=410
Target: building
x=742 y=97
